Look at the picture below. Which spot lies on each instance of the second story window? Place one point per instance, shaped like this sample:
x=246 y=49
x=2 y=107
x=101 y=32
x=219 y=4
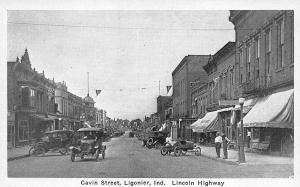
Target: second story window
x=257 y=55
x=268 y=49
x=248 y=57
x=241 y=64
x=32 y=97
x=280 y=62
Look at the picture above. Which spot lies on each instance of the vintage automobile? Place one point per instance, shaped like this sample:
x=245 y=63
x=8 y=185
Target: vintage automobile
x=90 y=144
x=57 y=140
x=131 y=134
x=180 y=147
x=156 y=139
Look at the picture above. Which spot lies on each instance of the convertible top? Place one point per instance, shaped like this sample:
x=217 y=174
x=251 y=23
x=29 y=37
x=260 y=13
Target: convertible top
x=90 y=129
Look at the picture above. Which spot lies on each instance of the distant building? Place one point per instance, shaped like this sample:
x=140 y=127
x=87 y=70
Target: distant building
x=189 y=69
x=101 y=118
x=90 y=110
x=164 y=103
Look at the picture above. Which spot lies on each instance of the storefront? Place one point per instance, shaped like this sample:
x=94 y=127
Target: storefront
x=185 y=128
x=271 y=123
x=11 y=129
x=205 y=129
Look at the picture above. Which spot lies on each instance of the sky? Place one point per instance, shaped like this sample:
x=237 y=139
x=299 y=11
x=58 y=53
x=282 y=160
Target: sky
x=127 y=53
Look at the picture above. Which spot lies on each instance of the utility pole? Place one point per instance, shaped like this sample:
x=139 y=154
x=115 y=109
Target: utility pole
x=159 y=87
x=88 y=83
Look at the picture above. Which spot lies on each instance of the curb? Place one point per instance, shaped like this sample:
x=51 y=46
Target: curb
x=220 y=160
x=18 y=157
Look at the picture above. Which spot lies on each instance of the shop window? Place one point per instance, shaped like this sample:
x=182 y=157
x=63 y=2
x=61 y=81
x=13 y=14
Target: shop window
x=256 y=134
x=23 y=130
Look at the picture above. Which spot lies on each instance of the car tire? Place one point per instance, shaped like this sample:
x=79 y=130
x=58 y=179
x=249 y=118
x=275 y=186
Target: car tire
x=177 y=151
x=164 y=151
x=198 y=151
x=31 y=151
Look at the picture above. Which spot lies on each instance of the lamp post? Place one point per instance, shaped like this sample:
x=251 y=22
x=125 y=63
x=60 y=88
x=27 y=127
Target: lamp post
x=241 y=135
x=181 y=133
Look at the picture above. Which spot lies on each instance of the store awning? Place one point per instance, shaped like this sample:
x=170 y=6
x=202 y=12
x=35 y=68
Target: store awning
x=226 y=109
x=276 y=111
x=201 y=124
x=248 y=104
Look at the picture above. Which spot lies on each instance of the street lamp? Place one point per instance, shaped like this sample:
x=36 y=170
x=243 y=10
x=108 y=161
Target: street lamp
x=241 y=135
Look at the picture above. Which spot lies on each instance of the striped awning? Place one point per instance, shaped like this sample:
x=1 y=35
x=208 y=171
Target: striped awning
x=274 y=111
x=202 y=124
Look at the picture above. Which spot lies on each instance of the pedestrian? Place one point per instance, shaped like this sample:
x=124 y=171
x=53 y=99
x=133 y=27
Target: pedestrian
x=218 y=142
x=226 y=142
x=248 y=138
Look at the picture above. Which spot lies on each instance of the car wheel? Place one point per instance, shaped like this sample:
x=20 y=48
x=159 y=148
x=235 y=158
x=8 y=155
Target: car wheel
x=72 y=156
x=198 y=151
x=31 y=151
x=177 y=151
x=82 y=157
x=164 y=151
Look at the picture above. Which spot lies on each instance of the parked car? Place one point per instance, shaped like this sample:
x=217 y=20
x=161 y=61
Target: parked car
x=57 y=140
x=156 y=139
x=180 y=147
x=90 y=144
x=131 y=134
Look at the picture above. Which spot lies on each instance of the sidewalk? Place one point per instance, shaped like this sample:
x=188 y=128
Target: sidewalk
x=251 y=158
x=14 y=153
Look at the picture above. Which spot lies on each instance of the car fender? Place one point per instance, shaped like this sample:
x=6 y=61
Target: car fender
x=75 y=149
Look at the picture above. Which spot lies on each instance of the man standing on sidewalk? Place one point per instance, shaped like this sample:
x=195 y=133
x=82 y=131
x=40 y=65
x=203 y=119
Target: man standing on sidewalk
x=218 y=142
x=226 y=141
x=248 y=138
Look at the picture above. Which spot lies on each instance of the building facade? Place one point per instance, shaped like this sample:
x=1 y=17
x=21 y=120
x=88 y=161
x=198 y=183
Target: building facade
x=184 y=74
x=265 y=70
x=100 y=118
x=163 y=105
x=199 y=98
x=31 y=107
x=189 y=69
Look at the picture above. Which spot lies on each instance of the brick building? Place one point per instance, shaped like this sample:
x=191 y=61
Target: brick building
x=265 y=73
x=214 y=114
x=163 y=105
x=199 y=95
x=30 y=99
x=189 y=69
